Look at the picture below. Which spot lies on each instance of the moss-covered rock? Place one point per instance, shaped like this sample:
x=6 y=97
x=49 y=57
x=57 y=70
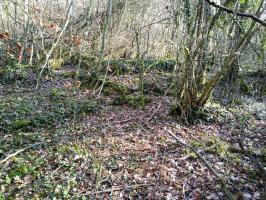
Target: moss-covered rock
x=111 y=88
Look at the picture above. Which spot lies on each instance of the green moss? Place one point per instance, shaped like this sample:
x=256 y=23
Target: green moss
x=21 y=124
x=55 y=92
x=216 y=145
x=111 y=88
x=68 y=74
x=131 y=100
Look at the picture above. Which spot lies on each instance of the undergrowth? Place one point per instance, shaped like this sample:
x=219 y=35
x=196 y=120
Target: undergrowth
x=48 y=110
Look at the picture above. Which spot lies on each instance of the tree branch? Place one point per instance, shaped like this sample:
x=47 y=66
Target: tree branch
x=228 y=10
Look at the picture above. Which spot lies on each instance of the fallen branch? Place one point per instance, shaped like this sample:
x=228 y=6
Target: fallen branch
x=228 y=10
x=20 y=151
x=221 y=180
x=118 y=189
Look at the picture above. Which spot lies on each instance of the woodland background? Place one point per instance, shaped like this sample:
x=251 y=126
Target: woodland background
x=131 y=99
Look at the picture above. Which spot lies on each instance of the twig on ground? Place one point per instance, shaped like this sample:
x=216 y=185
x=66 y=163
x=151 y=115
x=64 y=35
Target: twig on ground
x=123 y=121
x=20 y=151
x=56 y=170
x=153 y=114
x=184 y=190
x=221 y=180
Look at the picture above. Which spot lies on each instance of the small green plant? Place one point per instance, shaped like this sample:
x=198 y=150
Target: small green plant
x=56 y=92
x=216 y=145
x=20 y=169
x=2 y=196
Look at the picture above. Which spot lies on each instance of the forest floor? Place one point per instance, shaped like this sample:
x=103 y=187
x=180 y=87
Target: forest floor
x=60 y=142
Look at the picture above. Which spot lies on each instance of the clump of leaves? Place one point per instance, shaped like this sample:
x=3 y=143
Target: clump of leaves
x=20 y=169
x=56 y=63
x=56 y=93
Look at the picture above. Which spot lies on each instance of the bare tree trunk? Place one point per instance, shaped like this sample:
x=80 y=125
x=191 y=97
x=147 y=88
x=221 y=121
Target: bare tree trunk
x=55 y=43
x=105 y=32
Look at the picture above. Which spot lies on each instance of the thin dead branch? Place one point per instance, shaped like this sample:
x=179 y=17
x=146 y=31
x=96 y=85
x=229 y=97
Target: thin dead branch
x=20 y=151
x=228 y=10
x=194 y=150
x=119 y=188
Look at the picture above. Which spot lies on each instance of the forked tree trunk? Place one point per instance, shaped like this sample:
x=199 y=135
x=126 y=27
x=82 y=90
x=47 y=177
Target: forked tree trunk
x=207 y=91
x=192 y=100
